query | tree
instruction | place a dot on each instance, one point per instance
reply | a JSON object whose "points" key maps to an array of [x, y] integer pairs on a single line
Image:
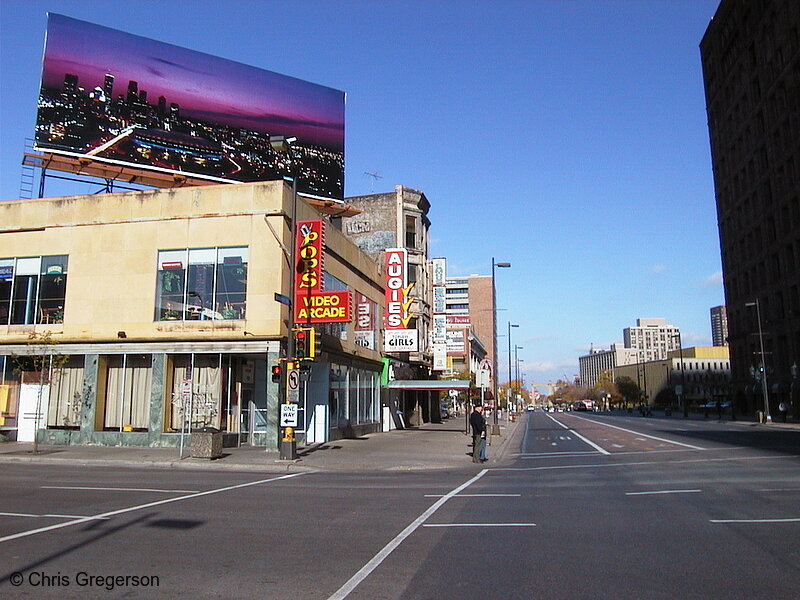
{"points": [[603, 388], [41, 358], [516, 387], [628, 389], [568, 393]]}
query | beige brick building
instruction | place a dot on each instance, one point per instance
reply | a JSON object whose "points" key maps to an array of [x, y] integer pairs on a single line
{"points": [[164, 297]]}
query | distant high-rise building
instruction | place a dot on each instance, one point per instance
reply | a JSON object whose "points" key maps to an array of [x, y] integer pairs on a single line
{"points": [[133, 91], [751, 69], [652, 338], [719, 326], [108, 86], [70, 82], [162, 106]]}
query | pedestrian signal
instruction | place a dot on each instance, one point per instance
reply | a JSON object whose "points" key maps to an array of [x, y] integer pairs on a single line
{"points": [[276, 373]]}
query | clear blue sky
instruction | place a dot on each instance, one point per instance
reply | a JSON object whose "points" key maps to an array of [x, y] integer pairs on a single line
{"points": [[565, 136]]}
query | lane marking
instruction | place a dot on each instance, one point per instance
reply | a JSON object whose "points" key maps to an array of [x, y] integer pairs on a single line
{"points": [[663, 492], [479, 525], [591, 443], [652, 437], [754, 520], [10, 514], [376, 560], [114, 489], [121, 511], [556, 454], [556, 421], [475, 496], [648, 462]]}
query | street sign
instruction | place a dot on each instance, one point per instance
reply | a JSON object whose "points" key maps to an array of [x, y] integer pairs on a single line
{"points": [[293, 378], [288, 415], [283, 299], [482, 378]]}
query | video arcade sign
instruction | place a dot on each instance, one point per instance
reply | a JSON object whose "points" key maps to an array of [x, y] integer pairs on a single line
{"points": [[397, 336], [311, 303]]}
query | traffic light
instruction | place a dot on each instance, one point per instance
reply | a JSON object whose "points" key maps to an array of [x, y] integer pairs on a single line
{"points": [[276, 373], [300, 343], [306, 346], [316, 344]]}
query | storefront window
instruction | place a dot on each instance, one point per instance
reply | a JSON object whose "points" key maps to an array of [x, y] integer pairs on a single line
{"points": [[127, 399], [197, 384], [66, 393], [353, 397], [338, 397]]}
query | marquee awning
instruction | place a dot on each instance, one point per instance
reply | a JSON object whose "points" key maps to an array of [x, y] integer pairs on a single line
{"points": [[428, 384]]}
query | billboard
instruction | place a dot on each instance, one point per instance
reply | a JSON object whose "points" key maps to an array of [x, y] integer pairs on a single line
{"points": [[131, 101]]}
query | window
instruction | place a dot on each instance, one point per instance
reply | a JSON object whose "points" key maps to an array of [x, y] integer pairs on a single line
{"points": [[32, 290], [411, 232], [127, 398], [337, 404], [201, 284], [66, 392], [197, 384]]}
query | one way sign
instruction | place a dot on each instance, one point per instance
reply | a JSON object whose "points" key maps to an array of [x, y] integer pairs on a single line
{"points": [[288, 415]]}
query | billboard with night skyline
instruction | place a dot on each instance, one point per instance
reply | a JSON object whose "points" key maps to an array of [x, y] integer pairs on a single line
{"points": [[126, 99]]}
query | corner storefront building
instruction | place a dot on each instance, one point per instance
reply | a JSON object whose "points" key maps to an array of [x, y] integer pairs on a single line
{"points": [[164, 308]]}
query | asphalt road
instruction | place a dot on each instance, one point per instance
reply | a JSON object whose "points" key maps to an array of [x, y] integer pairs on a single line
{"points": [[581, 506]]}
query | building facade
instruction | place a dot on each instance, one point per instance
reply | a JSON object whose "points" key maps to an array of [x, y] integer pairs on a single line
{"points": [[597, 362], [399, 219], [652, 338], [469, 307], [751, 69], [164, 304], [698, 375]]}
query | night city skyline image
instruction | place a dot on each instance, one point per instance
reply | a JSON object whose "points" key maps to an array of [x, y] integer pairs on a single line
{"points": [[134, 100]]}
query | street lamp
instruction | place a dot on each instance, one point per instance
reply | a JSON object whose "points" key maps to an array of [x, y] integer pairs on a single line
{"points": [[683, 376], [767, 416], [501, 265], [279, 143], [510, 325], [516, 369]]}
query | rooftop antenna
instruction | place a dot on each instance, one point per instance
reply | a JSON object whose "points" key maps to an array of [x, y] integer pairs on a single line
{"points": [[374, 176]]}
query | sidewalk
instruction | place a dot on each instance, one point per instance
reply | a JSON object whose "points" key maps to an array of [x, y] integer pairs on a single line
{"points": [[712, 417], [431, 446]]}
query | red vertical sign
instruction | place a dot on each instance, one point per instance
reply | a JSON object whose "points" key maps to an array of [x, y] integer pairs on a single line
{"points": [[310, 253], [398, 304]]}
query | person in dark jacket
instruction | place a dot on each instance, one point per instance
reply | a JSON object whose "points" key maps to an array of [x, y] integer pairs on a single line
{"points": [[478, 425]]}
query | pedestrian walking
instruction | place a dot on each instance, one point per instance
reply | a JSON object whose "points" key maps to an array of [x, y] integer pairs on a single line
{"points": [[478, 425], [783, 409]]}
